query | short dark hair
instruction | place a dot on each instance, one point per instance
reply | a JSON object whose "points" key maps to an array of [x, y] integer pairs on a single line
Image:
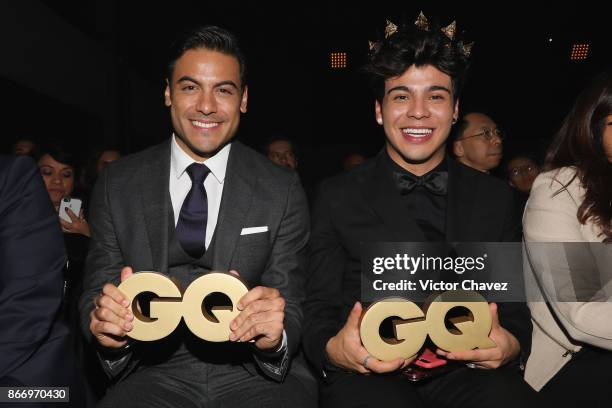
{"points": [[462, 124], [522, 155], [279, 138], [207, 37], [60, 152], [413, 46]]}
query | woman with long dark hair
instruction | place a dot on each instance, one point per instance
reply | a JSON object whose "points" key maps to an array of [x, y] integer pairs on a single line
{"points": [[569, 209]]}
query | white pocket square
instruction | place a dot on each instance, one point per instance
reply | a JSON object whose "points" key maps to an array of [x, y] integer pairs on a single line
{"points": [[253, 230]]}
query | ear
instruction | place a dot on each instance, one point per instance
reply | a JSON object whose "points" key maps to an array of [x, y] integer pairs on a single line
{"points": [[458, 149], [167, 99], [378, 112], [245, 99], [456, 111]]}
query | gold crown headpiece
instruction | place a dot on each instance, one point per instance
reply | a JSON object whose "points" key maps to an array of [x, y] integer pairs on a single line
{"points": [[422, 24]]}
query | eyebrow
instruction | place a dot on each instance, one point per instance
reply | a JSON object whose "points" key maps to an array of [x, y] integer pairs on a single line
{"points": [[217, 85], [52, 168], [430, 89]]}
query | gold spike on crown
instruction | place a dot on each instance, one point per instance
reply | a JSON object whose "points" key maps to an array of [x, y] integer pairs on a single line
{"points": [[467, 48], [390, 29], [421, 22], [450, 30]]}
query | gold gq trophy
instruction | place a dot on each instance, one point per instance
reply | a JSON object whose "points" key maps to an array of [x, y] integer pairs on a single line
{"points": [[167, 309]]}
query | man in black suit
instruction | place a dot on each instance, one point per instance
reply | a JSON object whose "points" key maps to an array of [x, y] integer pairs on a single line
{"points": [[196, 203], [410, 192], [34, 341]]}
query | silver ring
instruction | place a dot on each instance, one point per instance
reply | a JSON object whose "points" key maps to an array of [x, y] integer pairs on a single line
{"points": [[470, 365], [365, 361]]}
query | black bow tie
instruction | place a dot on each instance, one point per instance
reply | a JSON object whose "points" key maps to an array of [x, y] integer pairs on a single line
{"points": [[436, 182]]}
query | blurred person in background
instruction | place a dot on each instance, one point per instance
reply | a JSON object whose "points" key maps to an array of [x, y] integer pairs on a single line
{"points": [[24, 147], [478, 142], [351, 160], [59, 166], [282, 151], [522, 172], [99, 158]]}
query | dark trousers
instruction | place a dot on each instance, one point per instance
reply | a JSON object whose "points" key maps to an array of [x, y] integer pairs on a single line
{"points": [[216, 386], [183, 371], [463, 387], [583, 382]]}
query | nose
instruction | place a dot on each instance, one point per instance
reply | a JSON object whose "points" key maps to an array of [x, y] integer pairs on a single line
{"points": [[418, 108], [56, 179], [207, 103]]}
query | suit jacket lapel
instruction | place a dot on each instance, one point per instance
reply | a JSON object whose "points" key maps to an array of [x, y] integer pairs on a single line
{"points": [[383, 196], [155, 196], [235, 203], [463, 189]]}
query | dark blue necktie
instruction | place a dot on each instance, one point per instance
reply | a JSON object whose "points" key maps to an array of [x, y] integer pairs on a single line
{"points": [[191, 226]]}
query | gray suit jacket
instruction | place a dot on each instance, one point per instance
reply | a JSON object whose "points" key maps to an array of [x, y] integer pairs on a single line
{"points": [[129, 218]]}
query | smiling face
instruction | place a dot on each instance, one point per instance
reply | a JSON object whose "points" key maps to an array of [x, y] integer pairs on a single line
{"points": [[473, 149], [206, 98], [417, 113], [58, 178]]}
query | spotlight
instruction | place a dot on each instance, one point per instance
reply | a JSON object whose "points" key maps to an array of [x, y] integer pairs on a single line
{"points": [[579, 52], [337, 60]]}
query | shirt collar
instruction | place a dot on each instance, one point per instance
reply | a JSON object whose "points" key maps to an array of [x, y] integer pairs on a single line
{"points": [[442, 166], [179, 161]]}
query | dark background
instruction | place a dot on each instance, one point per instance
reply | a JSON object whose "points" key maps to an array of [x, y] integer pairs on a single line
{"points": [[91, 72]]}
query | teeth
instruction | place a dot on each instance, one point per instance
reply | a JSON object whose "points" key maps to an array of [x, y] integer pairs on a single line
{"points": [[417, 131], [204, 125]]}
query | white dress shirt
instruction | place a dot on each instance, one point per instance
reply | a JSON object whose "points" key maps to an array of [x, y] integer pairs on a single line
{"points": [[180, 183]]}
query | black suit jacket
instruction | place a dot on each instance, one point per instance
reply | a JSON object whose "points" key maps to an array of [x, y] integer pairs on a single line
{"points": [[130, 217], [34, 343], [364, 205]]}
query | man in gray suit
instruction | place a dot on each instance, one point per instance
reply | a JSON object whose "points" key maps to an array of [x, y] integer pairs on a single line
{"points": [[196, 203]]}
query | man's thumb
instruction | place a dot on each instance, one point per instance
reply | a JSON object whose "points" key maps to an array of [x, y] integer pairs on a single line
{"points": [[126, 272], [353, 320], [494, 315]]}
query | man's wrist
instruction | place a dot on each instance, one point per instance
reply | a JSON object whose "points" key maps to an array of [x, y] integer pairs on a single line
{"points": [[328, 360], [328, 348], [278, 348]]}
